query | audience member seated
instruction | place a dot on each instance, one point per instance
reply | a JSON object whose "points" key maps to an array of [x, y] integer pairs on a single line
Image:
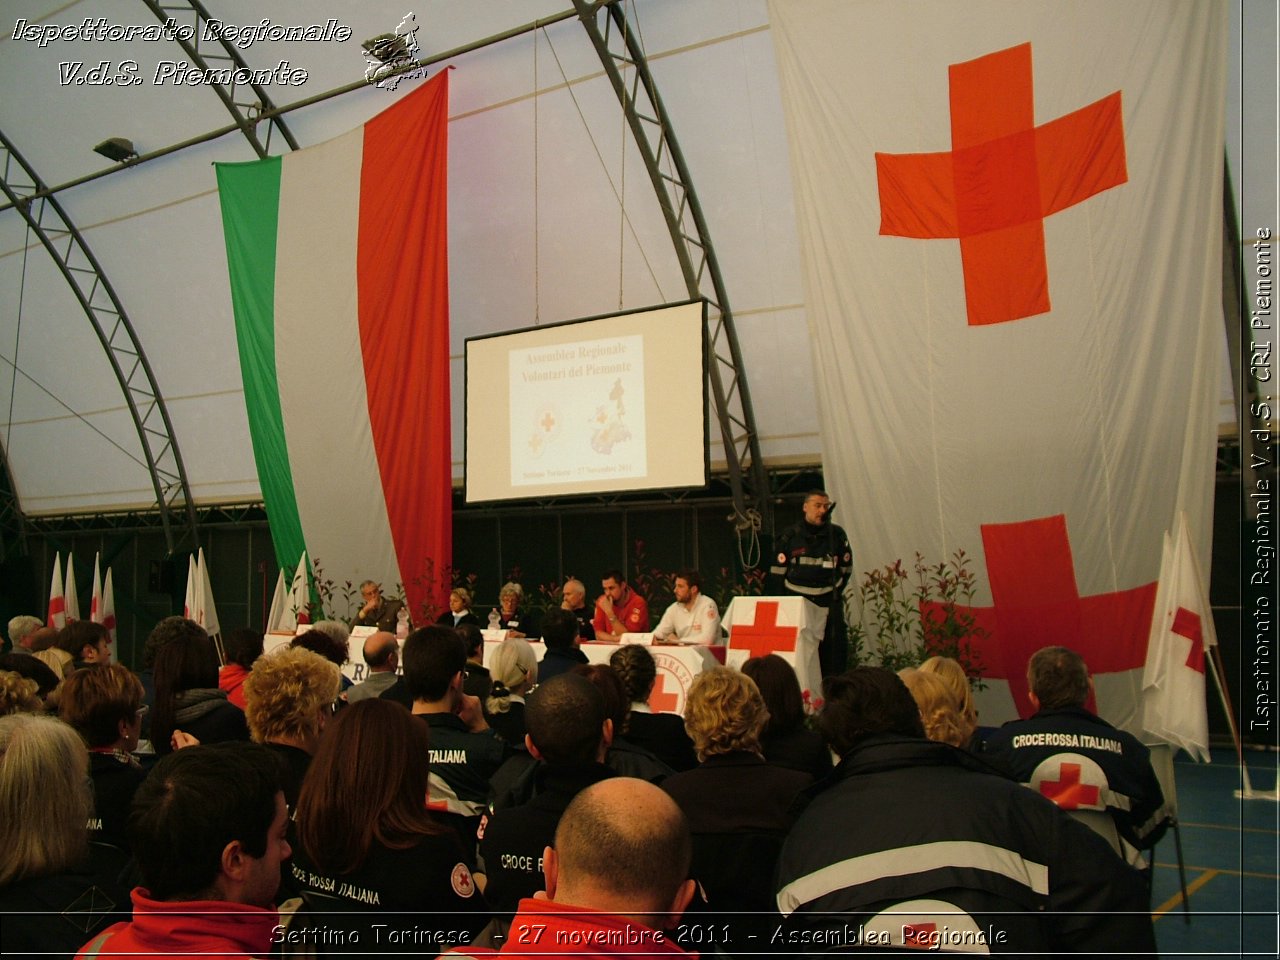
{"points": [[925, 821], [86, 641], [209, 834], [18, 694], [939, 712], [693, 617], [513, 672], [662, 734], [104, 705], [511, 616], [464, 752], [381, 654], [31, 667], [737, 805], [623, 757], [574, 599], [44, 647], [288, 701], [619, 609], [1074, 757], [243, 647], [20, 630], [55, 886], [569, 733], [787, 740], [367, 842], [187, 694], [563, 640], [477, 680], [459, 611], [611, 879], [170, 628], [329, 638], [949, 671], [376, 611]]}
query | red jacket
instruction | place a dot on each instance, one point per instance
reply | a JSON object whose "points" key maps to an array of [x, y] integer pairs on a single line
{"points": [[186, 929]]}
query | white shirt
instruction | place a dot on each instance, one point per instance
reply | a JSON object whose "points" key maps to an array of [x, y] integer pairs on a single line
{"points": [[699, 624]]}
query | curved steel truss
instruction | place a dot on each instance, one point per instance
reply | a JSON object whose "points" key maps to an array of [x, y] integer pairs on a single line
{"points": [[615, 43], [79, 267]]}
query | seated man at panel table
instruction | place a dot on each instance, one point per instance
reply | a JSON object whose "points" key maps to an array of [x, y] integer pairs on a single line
{"points": [[619, 609], [575, 601], [924, 844], [693, 618], [1074, 757], [376, 611]]}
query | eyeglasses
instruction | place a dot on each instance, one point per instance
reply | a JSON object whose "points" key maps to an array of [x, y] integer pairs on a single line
{"points": [[142, 711]]}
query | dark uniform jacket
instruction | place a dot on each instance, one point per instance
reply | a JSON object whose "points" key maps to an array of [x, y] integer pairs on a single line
{"points": [[1131, 793], [903, 819], [813, 562]]}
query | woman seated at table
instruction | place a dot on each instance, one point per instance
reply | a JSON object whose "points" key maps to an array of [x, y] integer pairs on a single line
{"points": [[459, 611], [511, 616]]}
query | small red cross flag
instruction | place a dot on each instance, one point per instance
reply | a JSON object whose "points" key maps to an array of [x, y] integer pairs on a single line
{"points": [[72, 600], [57, 602], [1173, 690]]}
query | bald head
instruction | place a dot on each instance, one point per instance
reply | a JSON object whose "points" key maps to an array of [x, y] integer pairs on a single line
{"points": [[641, 857], [381, 652]]}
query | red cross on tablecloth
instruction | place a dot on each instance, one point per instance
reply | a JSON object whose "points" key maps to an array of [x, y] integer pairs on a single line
{"points": [[1067, 791], [1187, 624], [764, 636], [1037, 604], [660, 701], [1001, 178]]}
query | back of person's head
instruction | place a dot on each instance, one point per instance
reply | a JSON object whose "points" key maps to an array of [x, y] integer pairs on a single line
{"points": [[565, 719], [31, 668], [605, 679], [559, 629], [724, 713], [513, 669], [243, 646], [192, 805], [21, 626], [472, 639], [367, 783], [166, 631], [78, 634], [939, 713], [431, 658], [187, 661], [285, 692], [641, 857], [324, 643], [18, 694], [380, 649], [96, 700], [45, 798], [780, 689], [637, 671], [864, 701], [949, 671], [1058, 677]]}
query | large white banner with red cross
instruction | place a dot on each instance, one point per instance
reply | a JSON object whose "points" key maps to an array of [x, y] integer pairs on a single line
{"points": [[1010, 218]]}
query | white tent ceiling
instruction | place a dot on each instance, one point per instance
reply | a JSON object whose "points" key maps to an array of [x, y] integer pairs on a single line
{"points": [[537, 231]]}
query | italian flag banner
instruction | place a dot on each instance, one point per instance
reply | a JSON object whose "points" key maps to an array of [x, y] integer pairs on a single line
{"points": [[339, 283]]}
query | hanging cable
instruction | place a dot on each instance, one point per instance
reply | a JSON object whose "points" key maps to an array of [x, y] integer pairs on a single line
{"points": [[622, 175], [17, 337]]}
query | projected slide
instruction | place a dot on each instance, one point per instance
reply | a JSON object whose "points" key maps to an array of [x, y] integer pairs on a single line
{"points": [[599, 405], [578, 411]]}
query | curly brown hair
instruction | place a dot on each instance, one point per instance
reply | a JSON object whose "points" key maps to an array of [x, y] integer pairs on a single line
{"points": [[724, 713]]}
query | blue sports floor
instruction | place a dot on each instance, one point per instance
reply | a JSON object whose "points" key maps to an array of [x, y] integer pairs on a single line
{"points": [[1231, 849]]}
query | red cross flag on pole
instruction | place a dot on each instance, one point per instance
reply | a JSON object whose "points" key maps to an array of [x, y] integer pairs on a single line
{"points": [[1173, 688], [57, 602], [1010, 225]]}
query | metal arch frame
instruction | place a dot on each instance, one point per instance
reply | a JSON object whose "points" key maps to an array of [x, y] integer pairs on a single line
{"points": [[653, 135], [13, 524], [246, 115], [120, 343]]}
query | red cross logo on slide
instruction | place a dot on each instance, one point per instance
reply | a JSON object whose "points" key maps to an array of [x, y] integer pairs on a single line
{"points": [[764, 636], [1068, 792], [659, 700], [1187, 624], [1037, 604], [1001, 178]]}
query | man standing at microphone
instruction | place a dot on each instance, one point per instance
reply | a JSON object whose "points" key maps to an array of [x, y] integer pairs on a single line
{"points": [[812, 560]]}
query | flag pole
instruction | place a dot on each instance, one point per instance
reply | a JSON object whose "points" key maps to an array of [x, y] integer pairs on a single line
{"points": [[1247, 793]]}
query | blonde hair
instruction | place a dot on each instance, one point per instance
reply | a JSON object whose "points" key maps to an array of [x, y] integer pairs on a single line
{"points": [[18, 694], [514, 665], [938, 710], [724, 712], [45, 798], [285, 690], [949, 671]]}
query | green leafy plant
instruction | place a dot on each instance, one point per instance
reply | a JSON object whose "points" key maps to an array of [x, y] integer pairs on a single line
{"points": [[899, 619]]}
